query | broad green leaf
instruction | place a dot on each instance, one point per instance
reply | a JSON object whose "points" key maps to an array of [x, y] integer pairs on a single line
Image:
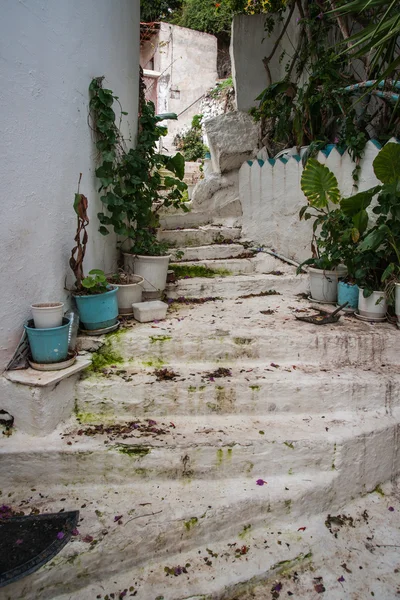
{"points": [[96, 272], [374, 239], [360, 221], [354, 204], [88, 282], [387, 163], [165, 116], [176, 164], [388, 271], [319, 184]]}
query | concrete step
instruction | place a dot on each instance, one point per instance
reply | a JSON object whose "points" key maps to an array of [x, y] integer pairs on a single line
{"points": [[195, 447], [229, 266], [183, 220], [235, 286], [202, 236], [210, 252], [169, 524], [362, 448], [230, 331], [250, 390]]}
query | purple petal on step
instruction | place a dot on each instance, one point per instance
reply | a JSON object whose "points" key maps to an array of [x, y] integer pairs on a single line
{"points": [[341, 579], [60, 535], [277, 587], [260, 482], [391, 508], [75, 532], [18, 542]]}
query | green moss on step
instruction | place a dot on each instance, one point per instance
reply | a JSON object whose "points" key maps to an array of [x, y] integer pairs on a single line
{"points": [[378, 490], [255, 388], [192, 388], [220, 456], [159, 338], [244, 532], [133, 451], [289, 445], [191, 523], [242, 341], [190, 271], [157, 363], [105, 357], [288, 505]]}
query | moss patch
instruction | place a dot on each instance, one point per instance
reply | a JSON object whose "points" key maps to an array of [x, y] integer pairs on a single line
{"points": [[105, 357], [132, 451], [182, 271], [159, 338], [191, 523]]}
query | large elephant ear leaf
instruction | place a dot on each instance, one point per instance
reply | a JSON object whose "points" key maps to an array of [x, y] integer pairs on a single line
{"points": [[319, 184], [387, 163]]}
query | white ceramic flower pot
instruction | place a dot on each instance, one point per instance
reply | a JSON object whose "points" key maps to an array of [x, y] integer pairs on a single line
{"points": [[129, 293], [153, 269], [397, 303], [47, 315], [323, 284], [374, 307]]}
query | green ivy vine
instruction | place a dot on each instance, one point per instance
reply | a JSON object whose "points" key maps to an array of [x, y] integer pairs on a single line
{"points": [[134, 182]]}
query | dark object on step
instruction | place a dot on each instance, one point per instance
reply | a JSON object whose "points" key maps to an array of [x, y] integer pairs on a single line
{"points": [[323, 317], [27, 543], [171, 277]]}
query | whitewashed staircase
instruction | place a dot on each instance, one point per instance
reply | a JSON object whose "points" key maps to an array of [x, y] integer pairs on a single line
{"points": [[310, 413]]}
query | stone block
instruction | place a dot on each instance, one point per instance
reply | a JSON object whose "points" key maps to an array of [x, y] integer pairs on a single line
{"points": [[149, 311], [232, 139]]}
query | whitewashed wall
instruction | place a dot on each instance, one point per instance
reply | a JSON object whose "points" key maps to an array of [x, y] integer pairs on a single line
{"points": [[49, 52], [271, 197]]}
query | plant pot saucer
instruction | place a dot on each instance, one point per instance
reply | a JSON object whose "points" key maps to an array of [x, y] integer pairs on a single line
{"points": [[311, 299], [369, 319], [100, 331], [58, 366], [348, 309]]}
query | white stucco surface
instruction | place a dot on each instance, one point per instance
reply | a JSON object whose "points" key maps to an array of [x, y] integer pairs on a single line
{"points": [[49, 52], [187, 61], [250, 43]]}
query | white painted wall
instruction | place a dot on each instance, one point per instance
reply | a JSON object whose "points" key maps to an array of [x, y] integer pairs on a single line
{"points": [[49, 52], [187, 61], [271, 198], [250, 43]]}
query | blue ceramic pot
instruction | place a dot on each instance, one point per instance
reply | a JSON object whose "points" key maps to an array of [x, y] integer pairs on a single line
{"points": [[98, 311], [48, 345], [348, 293]]}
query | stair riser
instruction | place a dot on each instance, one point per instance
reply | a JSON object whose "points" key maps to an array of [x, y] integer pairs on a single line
{"points": [[110, 399], [221, 287], [326, 349], [235, 267], [212, 252], [210, 462], [158, 537], [198, 237], [186, 220]]}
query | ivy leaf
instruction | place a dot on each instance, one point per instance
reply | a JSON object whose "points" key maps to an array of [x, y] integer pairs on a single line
{"points": [[374, 239], [103, 230], [176, 164], [106, 97]]}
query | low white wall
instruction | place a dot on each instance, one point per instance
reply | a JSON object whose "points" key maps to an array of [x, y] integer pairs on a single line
{"points": [[50, 51], [271, 198]]}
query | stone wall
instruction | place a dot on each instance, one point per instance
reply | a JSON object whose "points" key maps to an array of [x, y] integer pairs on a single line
{"points": [[271, 197], [50, 52]]}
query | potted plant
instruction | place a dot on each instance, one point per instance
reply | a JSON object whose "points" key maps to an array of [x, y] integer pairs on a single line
{"points": [[377, 257], [130, 288], [47, 314], [331, 240], [95, 298], [48, 345], [134, 184]]}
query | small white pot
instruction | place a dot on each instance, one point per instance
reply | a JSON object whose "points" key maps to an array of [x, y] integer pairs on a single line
{"points": [[129, 293], [373, 307], [47, 315], [397, 304], [153, 269], [323, 284]]}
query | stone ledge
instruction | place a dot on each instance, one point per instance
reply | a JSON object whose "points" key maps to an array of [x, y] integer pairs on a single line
{"points": [[35, 378]]}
